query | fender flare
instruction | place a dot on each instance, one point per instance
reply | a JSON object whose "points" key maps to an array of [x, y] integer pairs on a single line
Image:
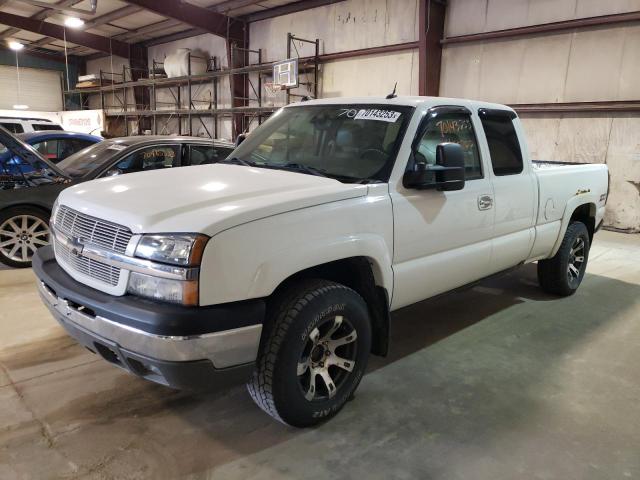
{"points": [[572, 205], [276, 269]]}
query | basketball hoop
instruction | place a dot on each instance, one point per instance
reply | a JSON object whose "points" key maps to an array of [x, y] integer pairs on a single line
{"points": [[272, 88]]}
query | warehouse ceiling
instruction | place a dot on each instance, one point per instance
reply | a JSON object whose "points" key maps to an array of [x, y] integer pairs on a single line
{"points": [[117, 23]]}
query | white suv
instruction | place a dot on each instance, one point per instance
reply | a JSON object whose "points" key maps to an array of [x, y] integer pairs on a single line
{"points": [[26, 125]]}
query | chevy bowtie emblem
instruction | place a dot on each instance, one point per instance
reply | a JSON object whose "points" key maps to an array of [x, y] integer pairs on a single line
{"points": [[75, 246]]}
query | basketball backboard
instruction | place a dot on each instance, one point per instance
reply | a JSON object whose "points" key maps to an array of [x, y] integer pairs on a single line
{"points": [[285, 73]]}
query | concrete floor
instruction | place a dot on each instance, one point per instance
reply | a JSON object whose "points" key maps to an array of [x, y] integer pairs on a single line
{"points": [[498, 382]]}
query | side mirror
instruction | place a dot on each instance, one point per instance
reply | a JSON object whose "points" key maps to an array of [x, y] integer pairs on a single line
{"points": [[446, 175], [113, 172], [241, 138]]}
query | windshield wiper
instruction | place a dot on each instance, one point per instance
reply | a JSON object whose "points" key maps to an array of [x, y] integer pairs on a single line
{"points": [[304, 168], [237, 161]]}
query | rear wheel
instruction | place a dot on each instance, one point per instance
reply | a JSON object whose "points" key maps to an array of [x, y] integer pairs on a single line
{"points": [[314, 354], [563, 274], [22, 231]]}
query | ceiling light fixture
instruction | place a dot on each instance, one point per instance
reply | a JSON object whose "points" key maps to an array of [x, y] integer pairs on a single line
{"points": [[18, 46], [73, 22]]}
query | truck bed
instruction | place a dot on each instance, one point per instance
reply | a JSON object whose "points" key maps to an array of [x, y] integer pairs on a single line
{"points": [[560, 185], [540, 164]]}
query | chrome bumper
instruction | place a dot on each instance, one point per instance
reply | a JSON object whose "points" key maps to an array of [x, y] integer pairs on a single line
{"points": [[224, 349]]}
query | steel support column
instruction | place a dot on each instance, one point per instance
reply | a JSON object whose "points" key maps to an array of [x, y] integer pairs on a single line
{"points": [[431, 31]]}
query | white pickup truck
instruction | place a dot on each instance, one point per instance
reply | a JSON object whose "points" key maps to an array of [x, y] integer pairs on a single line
{"points": [[280, 265]]}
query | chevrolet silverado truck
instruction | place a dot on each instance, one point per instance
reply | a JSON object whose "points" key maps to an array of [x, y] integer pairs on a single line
{"points": [[280, 265]]}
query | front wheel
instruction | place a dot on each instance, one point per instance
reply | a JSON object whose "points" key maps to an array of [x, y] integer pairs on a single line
{"points": [[22, 231], [314, 355], [562, 274]]}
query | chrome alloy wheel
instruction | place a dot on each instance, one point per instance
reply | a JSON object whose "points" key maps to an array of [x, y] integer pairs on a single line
{"points": [[327, 359], [21, 236], [576, 261]]}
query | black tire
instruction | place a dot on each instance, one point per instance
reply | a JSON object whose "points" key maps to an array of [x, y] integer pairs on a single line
{"points": [[30, 240], [300, 314], [555, 274]]}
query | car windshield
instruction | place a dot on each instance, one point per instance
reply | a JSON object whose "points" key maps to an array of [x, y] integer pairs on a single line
{"points": [[88, 159], [351, 143]]}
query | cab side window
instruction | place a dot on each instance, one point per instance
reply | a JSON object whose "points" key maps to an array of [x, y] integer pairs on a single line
{"points": [[504, 146], [451, 127], [206, 154], [150, 158]]}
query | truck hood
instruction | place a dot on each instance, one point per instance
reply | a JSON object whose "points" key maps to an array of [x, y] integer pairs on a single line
{"points": [[202, 199]]}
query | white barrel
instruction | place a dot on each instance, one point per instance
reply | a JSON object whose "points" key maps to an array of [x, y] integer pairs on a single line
{"points": [[177, 64]]}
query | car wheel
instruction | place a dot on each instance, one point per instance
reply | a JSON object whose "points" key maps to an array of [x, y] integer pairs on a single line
{"points": [[562, 274], [22, 231], [313, 354]]}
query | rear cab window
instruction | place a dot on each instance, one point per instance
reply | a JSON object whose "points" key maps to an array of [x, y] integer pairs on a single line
{"points": [[503, 142]]}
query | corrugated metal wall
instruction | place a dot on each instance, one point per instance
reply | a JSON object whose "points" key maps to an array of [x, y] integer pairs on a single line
{"points": [[584, 65], [351, 25]]}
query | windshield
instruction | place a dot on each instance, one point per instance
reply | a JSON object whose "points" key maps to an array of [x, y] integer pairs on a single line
{"points": [[352, 143], [21, 166], [86, 160]]}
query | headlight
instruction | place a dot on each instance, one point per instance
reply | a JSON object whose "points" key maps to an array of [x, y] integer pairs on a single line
{"points": [[184, 292], [54, 212], [176, 249], [181, 249]]}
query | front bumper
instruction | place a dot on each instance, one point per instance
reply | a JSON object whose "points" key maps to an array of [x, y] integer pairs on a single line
{"points": [[182, 347]]}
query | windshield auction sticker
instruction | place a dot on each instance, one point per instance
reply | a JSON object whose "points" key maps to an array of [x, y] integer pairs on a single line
{"points": [[117, 147], [376, 114]]}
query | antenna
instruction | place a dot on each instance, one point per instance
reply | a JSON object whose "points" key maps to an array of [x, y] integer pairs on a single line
{"points": [[392, 94]]}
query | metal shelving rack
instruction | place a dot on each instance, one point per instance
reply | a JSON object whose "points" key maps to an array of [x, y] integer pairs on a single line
{"points": [[161, 112]]}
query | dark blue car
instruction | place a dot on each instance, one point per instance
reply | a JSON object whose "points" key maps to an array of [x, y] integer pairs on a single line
{"points": [[54, 145]]}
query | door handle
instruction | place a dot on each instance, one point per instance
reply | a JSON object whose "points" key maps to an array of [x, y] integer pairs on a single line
{"points": [[485, 202]]}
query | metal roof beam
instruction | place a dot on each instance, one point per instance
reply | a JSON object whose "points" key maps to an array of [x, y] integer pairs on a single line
{"points": [[41, 15], [96, 42], [197, 17], [96, 22]]}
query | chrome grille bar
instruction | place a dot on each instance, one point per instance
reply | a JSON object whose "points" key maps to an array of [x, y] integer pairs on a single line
{"points": [[92, 230]]}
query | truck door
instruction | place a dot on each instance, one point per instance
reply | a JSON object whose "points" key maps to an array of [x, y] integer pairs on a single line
{"points": [[515, 190], [442, 239]]}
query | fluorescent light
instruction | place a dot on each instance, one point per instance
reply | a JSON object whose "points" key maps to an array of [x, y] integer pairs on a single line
{"points": [[74, 22], [20, 107], [15, 45]]}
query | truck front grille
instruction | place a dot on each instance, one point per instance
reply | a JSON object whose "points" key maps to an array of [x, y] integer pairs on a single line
{"points": [[88, 266], [90, 231]]}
